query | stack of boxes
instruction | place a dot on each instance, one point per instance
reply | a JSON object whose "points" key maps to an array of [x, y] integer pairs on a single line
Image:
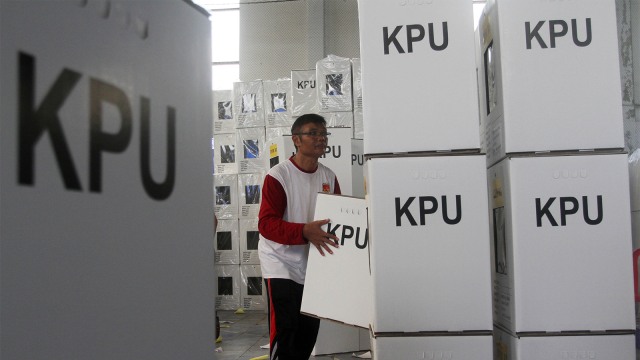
{"points": [[252, 128], [239, 167], [284, 100], [550, 108], [252, 133], [425, 182], [332, 90]]}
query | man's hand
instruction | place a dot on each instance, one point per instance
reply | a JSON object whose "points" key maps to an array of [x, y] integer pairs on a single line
{"points": [[319, 238]]}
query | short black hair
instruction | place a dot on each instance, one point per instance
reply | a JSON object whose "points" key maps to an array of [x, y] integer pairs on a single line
{"points": [[302, 120]]}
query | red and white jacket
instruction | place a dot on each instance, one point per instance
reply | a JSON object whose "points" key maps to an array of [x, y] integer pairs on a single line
{"points": [[288, 202]]}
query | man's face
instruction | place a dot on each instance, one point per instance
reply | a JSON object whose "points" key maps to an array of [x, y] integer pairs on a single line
{"points": [[312, 140]]}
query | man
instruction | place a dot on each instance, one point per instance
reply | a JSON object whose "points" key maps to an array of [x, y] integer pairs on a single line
{"points": [[287, 231]]}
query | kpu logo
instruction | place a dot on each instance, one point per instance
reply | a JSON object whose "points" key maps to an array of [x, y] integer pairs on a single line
{"points": [[306, 84], [335, 151], [36, 120], [428, 205], [350, 233], [567, 205], [414, 33], [557, 29], [357, 159]]}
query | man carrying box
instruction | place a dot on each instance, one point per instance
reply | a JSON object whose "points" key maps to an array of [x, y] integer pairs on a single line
{"points": [[287, 231]]}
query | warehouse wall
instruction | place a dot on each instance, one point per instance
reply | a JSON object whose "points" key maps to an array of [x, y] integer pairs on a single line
{"points": [[341, 31], [278, 37], [628, 12]]}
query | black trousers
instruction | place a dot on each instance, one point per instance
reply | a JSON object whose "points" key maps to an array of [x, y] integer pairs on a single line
{"points": [[292, 335]]}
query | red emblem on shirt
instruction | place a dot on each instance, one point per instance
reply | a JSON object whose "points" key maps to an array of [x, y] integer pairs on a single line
{"points": [[326, 188]]}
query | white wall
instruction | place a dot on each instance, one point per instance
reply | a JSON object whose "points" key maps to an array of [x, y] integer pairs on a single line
{"points": [[278, 37]]}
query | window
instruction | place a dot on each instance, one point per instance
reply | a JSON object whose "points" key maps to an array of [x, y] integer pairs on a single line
{"points": [[478, 6], [225, 41]]}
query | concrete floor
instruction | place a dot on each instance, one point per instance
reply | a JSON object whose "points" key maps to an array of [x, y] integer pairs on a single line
{"points": [[243, 336]]}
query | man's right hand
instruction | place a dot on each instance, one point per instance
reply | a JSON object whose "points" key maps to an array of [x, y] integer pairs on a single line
{"points": [[319, 238]]}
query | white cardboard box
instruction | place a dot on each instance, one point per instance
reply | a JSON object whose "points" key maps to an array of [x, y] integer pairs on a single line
{"points": [[277, 103], [248, 100], [357, 168], [225, 196], [250, 150], [249, 195], [429, 234], [478, 347], [348, 267], [561, 243], [303, 92], [97, 201], [420, 95], [339, 118], [253, 296], [223, 120], [227, 287], [227, 243], [634, 180], [225, 157], [338, 157], [535, 96], [509, 347], [358, 124], [333, 74], [249, 237]]}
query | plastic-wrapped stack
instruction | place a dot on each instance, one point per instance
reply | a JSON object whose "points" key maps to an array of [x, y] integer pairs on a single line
{"points": [[247, 144], [558, 179], [239, 167], [426, 182]]}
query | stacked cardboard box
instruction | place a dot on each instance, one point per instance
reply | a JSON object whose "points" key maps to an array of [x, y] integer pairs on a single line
{"points": [[425, 181], [558, 180]]}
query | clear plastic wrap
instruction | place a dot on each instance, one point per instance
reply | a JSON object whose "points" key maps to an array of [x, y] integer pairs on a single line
{"points": [[249, 237], [249, 191], [252, 288], [223, 121], [333, 75], [304, 96], [225, 193], [224, 154], [227, 287], [249, 142], [356, 73], [276, 146], [277, 102], [248, 101], [227, 243], [339, 119]]}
